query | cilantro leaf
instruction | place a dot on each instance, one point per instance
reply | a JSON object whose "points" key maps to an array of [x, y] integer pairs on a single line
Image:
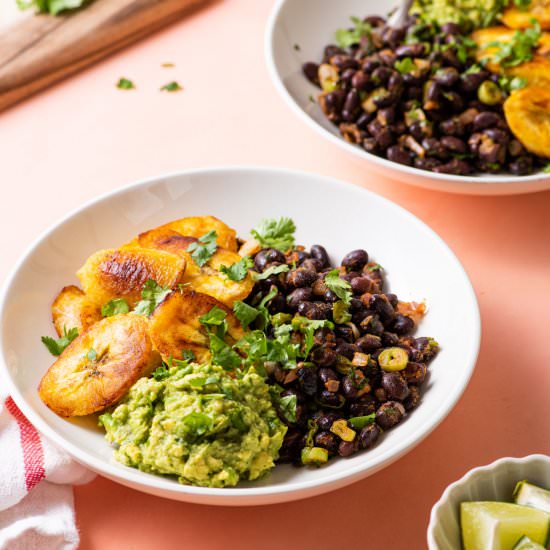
{"points": [[272, 233], [198, 423], [216, 316], [349, 37], [405, 66], [172, 87], [204, 249], [287, 405], [222, 354], [161, 373], [125, 84], [54, 7], [512, 84], [339, 286], [308, 327], [115, 307], [245, 313], [57, 346], [519, 49], [188, 355], [239, 270], [273, 270], [254, 345], [152, 295]]}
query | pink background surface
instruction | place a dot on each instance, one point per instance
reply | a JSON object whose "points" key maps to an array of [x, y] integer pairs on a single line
{"points": [[85, 137]]}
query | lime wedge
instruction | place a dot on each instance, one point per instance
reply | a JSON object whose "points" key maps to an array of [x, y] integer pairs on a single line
{"points": [[499, 525], [528, 494], [525, 543]]}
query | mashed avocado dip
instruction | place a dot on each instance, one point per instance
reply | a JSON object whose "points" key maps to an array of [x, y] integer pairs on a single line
{"points": [[199, 423], [470, 13]]}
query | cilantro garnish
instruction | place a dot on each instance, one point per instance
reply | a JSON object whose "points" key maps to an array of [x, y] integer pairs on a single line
{"points": [[287, 405], [522, 4], [405, 66], [239, 270], [512, 84], [339, 286], [53, 7], [308, 327], [115, 307], [272, 233], [172, 87], [152, 295], [520, 48], [197, 422], [348, 37], [188, 355], [254, 345], [57, 346], [125, 84], [204, 249], [245, 313], [375, 267], [222, 354], [216, 316], [273, 270]]}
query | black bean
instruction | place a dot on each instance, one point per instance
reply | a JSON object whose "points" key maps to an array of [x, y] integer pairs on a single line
{"points": [[360, 81], [380, 304], [343, 62], [392, 36], [299, 295], [330, 51], [327, 440], [324, 356], [325, 419], [371, 63], [452, 127], [346, 349], [352, 104], [331, 399], [344, 332], [515, 148], [521, 166], [455, 166], [368, 343], [426, 163], [364, 119], [304, 307], [360, 285], [446, 76], [370, 145], [392, 299], [312, 264], [397, 153], [395, 83], [268, 256], [413, 398], [318, 311], [355, 260], [453, 144], [347, 448], [388, 57], [470, 82], [349, 388], [451, 28], [307, 380], [363, 406], [325, 374], [487, 119], [454, 100], [301, 277], [386, 116], [434, 147], [402, 324], [395, 385], [319, 253], [302, 256], [389, 414], [380, 76], [368, 436], [310, 70], [411, 50], [389, 339], [415, 373]]}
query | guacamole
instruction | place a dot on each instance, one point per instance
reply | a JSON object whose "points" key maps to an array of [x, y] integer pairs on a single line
{"points": [[469, 13], [199, 423]]}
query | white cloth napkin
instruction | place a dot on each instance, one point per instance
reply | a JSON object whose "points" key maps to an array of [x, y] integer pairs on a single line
{"points": [[36, 497]]}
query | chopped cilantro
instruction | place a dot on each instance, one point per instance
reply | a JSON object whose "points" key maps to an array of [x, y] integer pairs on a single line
{"points": [[349, 37], [172, 87], [198, 423], [287, 405], [273, 270], [520, 48], [216, 316], [522, 4], [375, 267], [152, 295], [125, 84], [254, 345], [222, 354], [405, 66], [57, 346], [245, 313], [339, 286], [272, 233], [188, 355], [204, 249], [512, 84], [473, 69], [53, 7], [161, 372], [239, 270], [115, 307]]}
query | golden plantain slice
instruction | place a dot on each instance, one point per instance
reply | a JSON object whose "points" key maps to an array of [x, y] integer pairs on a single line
{"points": [[528, 115], [207, 279], [198, 226], [72, 309], [112, 273], [99, 366], [175, 326], [536, 71], [517, 18]]}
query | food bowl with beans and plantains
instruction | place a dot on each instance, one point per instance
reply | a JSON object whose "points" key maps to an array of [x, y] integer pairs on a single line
{"points": [[457, 98]]}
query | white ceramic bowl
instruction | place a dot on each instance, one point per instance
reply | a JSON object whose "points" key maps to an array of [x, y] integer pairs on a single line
{"points": [[495, 481], [310, 24], [342, 217]]}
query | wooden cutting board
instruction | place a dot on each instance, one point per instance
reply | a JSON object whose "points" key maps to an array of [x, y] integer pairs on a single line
{"points": [[42, 49]]}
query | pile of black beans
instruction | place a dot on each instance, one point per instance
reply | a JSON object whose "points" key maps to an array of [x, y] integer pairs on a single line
{"points": [[446, 115], [342, 377]]}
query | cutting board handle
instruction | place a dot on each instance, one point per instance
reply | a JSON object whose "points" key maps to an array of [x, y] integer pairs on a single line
{"points": [[42, 49]]}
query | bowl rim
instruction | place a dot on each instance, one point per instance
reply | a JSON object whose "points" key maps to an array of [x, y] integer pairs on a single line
{"points": [[270, 58], [465, 479], [227, 496]]}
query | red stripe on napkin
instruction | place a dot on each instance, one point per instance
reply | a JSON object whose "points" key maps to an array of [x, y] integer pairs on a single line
{"points": [[33, 454]]}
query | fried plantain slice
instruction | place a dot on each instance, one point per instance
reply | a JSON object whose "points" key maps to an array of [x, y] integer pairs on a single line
{"points": [[197, 226], [72, 309], [207, 279], [527, 112], [121, 273], [175, 325], [536, 71], [517, 18], [99, 366]]}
